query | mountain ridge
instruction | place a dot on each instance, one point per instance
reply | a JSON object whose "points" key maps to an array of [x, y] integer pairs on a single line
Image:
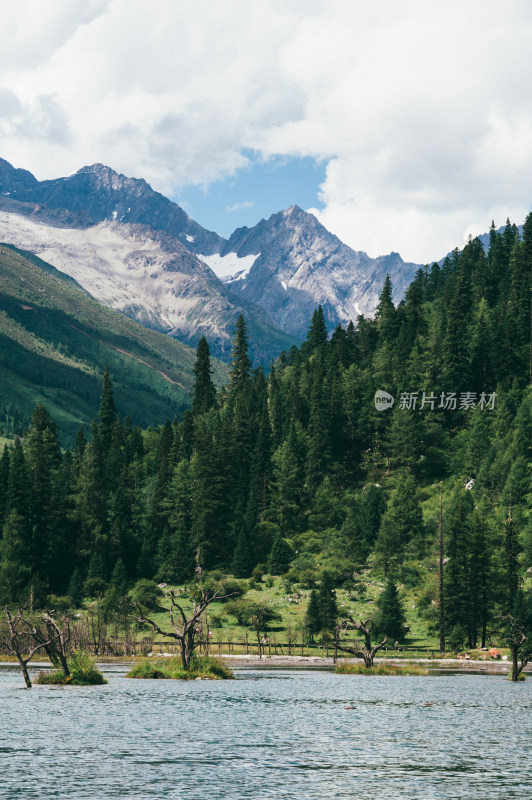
{"points": [[147, 273], [276, 272]]}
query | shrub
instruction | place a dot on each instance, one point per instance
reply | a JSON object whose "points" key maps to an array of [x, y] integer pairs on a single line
{"points": [[54, 677], [83, 673], [216, 620], [84, 670], [210, 665], [380, 669], [207, 667], [145, 669], [258, 572], [147, 594], [60, 603]]}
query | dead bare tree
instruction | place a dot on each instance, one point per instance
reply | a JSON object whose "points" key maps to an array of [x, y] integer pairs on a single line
{"points": [[369, 651], [18, 629], [54, 640], [515, 635], [184, 629]]}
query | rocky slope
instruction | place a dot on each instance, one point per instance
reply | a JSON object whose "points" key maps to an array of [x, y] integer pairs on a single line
{"points": [[140, 253], [97, 193], [290, 263], [149, 274]]}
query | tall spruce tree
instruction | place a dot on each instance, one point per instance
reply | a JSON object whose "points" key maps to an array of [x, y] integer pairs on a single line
{"points": [[204, 392], [313, 621], [401, 530], [241, 363], [107, 411], [327, 603], [317, 332], [243, 561], [280, 556], [457, 574], [390, 618], [386, 314]]}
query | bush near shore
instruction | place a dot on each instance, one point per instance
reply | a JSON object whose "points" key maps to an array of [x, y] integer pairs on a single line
{"points": [[83, 672], [205, 667], [380, 669]]}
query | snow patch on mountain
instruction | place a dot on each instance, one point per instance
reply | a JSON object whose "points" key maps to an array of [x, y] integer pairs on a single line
{"points": [[131, 268], [230, 267]]}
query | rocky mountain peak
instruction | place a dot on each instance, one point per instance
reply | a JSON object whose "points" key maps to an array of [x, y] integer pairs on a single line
{"points": [[107, 179], [12, 180]]}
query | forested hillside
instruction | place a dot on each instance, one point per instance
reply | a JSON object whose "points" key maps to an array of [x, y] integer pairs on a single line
{"points": [[299, 473], [55, 341]]}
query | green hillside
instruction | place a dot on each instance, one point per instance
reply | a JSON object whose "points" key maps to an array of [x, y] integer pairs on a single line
{"points": [[55, 341]]}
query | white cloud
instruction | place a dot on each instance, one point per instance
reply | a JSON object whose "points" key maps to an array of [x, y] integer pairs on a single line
{"points": [[239, 206], [424, 110]]}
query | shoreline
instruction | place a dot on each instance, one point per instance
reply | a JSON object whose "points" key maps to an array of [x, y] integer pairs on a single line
{"points": [[250, 661]]}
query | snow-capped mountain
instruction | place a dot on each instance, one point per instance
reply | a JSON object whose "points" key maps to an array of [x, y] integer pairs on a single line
{"points": [[148, 274], [97, 193], [289, 263], [138, 252]]}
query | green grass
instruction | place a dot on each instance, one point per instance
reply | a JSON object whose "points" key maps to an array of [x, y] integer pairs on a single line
{"points": [[83, 669], [380, 669], [204, 667], [292, 608]]}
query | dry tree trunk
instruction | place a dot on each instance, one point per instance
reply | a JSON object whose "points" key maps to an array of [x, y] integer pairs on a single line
{"points": [[369, 651], [14, 644], [186, 629]]}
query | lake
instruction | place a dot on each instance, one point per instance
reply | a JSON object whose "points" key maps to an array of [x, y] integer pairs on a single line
{"points": [[269, 734]]}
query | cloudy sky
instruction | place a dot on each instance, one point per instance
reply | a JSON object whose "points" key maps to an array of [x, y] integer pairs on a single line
{"points": [[405, 125]]}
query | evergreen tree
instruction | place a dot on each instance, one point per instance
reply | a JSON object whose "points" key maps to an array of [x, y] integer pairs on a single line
{"points": [[107, 411], [456, 574], [115, 602], [280, 556], [243, 560], [286, 488], [91, 499], [402, 528], [176, 555], [4, 480], [325, 511], [390, 618], [482, 354], [18, 484], [319, 450], [511, 551], [241, 363], [386, 314], [328, 606], [212, 501], [75, 588], [317, 333], [42, 456], [480, 575], [204, 393], [96, 582], [313, 622], [456, 360], [15, 555]]}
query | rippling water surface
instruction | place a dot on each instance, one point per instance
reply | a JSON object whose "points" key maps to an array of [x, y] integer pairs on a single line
{"points": [[282, 734]]}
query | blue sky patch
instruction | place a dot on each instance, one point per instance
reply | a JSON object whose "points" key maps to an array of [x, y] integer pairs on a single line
{"points": [[253, 193]]}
